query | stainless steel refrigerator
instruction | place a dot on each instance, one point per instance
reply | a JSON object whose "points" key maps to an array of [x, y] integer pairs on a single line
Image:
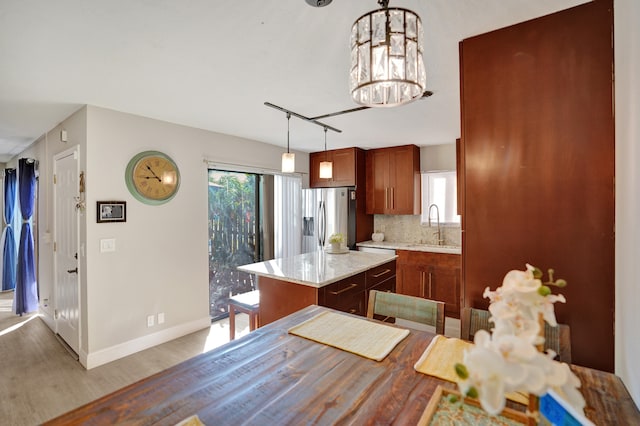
{"points": [[327, 211]]}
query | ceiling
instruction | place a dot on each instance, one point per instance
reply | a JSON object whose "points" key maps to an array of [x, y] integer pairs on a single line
{"points": [[212, 65]]}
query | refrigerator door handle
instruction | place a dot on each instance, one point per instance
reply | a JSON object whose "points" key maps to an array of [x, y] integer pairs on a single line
{"points": [[322, 224]]}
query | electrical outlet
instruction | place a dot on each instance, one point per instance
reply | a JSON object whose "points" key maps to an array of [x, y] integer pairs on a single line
{"points": [[161, 318], [150, 321]]}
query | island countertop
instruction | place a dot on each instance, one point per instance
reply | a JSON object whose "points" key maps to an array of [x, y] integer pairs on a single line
{"points": [[317, 269]]}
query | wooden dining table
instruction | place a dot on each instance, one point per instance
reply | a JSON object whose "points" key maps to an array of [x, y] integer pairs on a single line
{"points": [[271, 377]]}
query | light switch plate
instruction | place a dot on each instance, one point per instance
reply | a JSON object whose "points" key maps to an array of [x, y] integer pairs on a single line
{"points": [[150, 321], [107, 245]]}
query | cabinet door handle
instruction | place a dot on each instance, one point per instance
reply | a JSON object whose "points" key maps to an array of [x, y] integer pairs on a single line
{"points": [[352, 285], [421, 284], [393, 198], [430, 280], [386, 198], [386, 271]]}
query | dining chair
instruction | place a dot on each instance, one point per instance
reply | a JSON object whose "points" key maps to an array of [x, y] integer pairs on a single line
{"points": [[556, 338], [410, 308]]}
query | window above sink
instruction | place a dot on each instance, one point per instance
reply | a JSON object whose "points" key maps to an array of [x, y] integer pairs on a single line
{"points": [[439, 188]]}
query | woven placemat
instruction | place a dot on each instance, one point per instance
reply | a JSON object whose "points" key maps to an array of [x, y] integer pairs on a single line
{"points": [[441, 356], [191, 421], [359, 336]]}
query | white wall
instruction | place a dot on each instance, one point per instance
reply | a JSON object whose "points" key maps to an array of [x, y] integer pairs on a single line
{"points": [[161, 260], [438, 157], [627, 110]]}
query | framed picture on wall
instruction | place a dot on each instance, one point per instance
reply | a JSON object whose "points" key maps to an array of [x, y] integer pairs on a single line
{"points": [[112, 211]]}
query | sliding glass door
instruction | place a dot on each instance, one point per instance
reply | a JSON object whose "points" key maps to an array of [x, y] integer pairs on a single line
{"points": [[234, 235]]}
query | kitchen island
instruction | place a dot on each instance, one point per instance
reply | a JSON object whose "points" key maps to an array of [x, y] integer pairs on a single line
{"points": [[340, 281]]}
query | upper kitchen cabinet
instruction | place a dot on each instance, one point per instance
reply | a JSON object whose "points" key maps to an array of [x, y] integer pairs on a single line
{"points": [[348, 163], [393, 180]]}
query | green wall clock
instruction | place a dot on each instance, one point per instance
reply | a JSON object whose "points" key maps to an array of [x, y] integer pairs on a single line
{"points": [[152, 177]]}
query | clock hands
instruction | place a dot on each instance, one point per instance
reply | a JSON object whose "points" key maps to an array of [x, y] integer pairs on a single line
{"points": [[153, 173]]}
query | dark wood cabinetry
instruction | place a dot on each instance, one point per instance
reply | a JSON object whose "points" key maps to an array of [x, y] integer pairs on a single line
{"points": [[348, 170], [279, 298], [381, 278], [433, 276], [393, 180], [352, 294], [345, 295], [346, 163], [538, 152]]}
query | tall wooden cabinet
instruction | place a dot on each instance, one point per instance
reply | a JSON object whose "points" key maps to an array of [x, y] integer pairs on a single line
{"points": [[538, 161], [393, 180], [433, 276]]}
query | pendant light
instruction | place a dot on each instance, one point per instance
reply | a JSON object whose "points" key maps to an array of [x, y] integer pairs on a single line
{"points": [[326, 167], [387, 68], [288, 158]]}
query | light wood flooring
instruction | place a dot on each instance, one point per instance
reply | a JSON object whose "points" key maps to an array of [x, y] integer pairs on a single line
{"points": [[39, 380]]}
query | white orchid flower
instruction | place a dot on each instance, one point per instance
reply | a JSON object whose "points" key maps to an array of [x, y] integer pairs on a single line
{"points": [[507, 360], [569, 390], [486, 373]]}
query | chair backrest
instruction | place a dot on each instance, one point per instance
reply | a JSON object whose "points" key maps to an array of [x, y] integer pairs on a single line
{"points": [[472, 320], [410, 308], [557, 338]]}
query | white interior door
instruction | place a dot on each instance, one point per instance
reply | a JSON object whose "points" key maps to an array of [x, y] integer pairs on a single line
{"points": [[67, 302]]}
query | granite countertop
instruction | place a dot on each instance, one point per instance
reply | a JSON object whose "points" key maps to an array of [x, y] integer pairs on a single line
{"points": [[317, 269], [411, 246]]}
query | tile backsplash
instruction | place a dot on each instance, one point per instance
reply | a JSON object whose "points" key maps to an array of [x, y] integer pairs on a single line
{"points": [[408, 229]]}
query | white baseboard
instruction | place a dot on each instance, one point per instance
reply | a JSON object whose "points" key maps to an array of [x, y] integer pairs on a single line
{"points": [[48, 320], [103, 356]]}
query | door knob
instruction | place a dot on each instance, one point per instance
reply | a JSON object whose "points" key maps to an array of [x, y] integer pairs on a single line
{"points": [[72, 271]]}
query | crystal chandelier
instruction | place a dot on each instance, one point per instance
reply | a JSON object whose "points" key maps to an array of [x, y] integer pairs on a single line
{"points": [[387, 68], [288, 158]]}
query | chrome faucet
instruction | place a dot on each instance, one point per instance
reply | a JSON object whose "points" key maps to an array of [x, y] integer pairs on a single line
{"points": [[439, 232]]}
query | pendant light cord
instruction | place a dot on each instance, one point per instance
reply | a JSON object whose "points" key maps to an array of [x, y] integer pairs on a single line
{"points": [[288, 119], [325, 144]]}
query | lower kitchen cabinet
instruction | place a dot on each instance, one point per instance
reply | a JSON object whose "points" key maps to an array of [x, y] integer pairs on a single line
{"points": [[346, 295], [279, 298], [433, 276], [352, 294]]}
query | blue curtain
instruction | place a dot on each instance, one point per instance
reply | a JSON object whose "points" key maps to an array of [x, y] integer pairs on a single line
{"points": [[8, 238], [26, 295]]}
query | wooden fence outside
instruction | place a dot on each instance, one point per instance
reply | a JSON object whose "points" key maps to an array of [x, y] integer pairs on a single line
{"points": [[231, 244]]}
